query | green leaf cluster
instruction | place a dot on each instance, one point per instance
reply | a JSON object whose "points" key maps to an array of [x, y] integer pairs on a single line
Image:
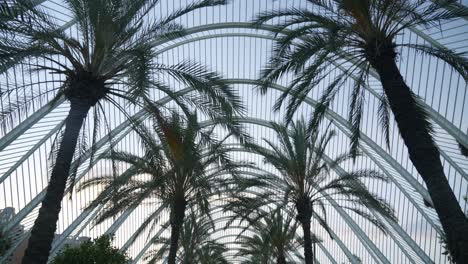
{"points": [[5, 243], [99, 251]]}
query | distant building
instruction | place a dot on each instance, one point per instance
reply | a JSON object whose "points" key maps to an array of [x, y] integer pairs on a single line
{"points": [[6, 215], [18, 232]]}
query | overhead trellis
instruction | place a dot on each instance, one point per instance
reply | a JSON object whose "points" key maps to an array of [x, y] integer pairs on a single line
{"points": [[223, 38]]}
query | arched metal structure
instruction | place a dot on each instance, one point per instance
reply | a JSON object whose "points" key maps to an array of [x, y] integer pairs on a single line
{"points": [[30, 139]]}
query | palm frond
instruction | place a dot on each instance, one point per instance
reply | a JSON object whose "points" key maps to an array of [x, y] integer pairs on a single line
{"points": [[304, 173], [457, 61]]}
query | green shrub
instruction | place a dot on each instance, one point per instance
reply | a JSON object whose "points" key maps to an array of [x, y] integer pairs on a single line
{"points": [[99, 251], [5, 243]]}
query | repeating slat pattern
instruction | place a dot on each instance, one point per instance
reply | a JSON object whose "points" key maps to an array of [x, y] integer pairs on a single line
{"points": [[221, 38]]}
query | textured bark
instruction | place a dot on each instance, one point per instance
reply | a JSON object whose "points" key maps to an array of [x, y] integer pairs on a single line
{"points": [[424, 154], [304, 214], [177, 220], [308, 254], [45, 225], [280, 259]]}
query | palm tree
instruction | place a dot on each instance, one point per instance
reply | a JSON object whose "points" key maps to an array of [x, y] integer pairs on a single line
{"points": [[364, 32], [274, 237], [196, 243], [256, 248], [114, 45], [184, 163], [212, 253], [12, 15], [305, 184]]}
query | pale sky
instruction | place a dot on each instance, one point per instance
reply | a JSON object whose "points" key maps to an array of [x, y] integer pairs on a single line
{"points": [[241, 57]]}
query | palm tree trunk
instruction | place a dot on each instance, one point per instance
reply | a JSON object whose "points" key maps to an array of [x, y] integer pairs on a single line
{"points": [[424, 154], [308, 254], [177, 220], [280, 259], [42, 234]]}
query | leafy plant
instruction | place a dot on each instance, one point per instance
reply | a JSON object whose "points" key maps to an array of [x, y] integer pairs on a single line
{"points": [[99, 251], [360, 36], [111, 58], [274, 237], [196, 244], [5, 242], [184, 163], [305, 183]]}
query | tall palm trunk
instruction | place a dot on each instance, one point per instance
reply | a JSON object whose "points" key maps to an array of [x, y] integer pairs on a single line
{"points": [[308, 254], [424, 154], [177, 220], [280, 259], [304, 214], [45, 225]]}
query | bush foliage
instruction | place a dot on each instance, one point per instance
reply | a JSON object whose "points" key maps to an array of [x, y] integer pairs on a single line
{"points": [[5, 243], [99, 251]]}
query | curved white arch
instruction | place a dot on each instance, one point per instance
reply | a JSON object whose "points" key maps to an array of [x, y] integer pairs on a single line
{"points": [[141, 115]]}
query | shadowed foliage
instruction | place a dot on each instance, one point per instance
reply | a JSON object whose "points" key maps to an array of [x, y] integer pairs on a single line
{"points": [[273, 240], [305, 183], [5, 242], [12, 15], [181, 168], [111, 58], [98, 251], [196, 244], [312, 41]]}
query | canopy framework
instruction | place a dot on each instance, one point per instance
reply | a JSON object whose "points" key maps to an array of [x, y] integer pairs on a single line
{"points": [[221, 38]]}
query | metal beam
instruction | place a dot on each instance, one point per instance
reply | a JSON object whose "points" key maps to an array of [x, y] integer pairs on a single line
{"points": [[388, 160], [132, 238], [235, 81], [415, 184], [127, 244], [350, 256], [344, 124], [435, 114], [82, 220], [39, 197], [391, 225], [344, 248], [124, 125], [145, 248], [439, 119], [2, 140], [288, 255], [31, 151], [455, 6], [21, 128], [373, 250], [30, 121], [117, 223]]}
